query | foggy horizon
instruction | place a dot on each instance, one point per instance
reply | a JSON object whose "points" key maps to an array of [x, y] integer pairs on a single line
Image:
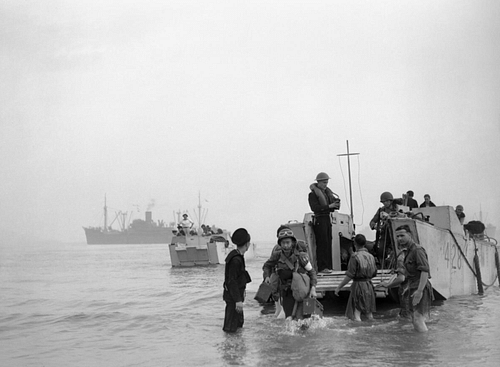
{"points": [[153, 104]]}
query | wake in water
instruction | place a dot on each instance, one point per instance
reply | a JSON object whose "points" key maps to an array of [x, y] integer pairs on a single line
{"points": [[341, 325]]}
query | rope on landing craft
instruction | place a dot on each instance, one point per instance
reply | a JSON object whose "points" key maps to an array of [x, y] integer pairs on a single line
{"points": [[497, 263], [462, 253], [486, 286], [476, 260], [477, 275]]}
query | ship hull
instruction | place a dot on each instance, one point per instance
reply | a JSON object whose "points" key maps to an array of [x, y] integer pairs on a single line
{"points": [[451, 253], [100, 237]]}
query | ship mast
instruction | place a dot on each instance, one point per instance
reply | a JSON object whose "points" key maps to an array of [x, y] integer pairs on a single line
{"points": [[199, 212], [105, 214], [349, 170]]}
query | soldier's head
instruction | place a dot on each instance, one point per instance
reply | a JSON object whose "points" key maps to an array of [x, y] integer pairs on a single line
{"points": [[241, 238], [322, 179], [386, 198], [282, 227], [286, 239], [404, 235], [360, 241]]}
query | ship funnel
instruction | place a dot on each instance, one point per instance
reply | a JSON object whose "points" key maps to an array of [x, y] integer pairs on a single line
{"points": [[149, 217]]}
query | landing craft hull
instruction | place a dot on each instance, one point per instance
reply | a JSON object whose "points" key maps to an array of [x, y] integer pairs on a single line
{"points": [[203, 250], [452, 263], [450, 251]]}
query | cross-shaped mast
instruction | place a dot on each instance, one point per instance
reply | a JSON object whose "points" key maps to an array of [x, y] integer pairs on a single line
{"points": [[349, 170]]}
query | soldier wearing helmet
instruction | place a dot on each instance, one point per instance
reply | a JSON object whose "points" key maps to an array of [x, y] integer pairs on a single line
{"points": [[285, 259], [322, 202], [389, 209]]}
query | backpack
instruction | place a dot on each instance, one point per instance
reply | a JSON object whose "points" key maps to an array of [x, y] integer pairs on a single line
{"points": [[300, 286]]}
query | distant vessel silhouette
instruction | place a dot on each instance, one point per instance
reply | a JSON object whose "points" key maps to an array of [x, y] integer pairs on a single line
{"points": [[138, 232]]}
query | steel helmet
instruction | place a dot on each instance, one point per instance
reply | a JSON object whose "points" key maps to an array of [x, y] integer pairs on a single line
{"points": [[286, 233], [322, 176], [386, 196], [282, 227]]}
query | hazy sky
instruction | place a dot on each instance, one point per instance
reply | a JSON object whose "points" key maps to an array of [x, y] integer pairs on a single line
{"points": [[244, 102]]}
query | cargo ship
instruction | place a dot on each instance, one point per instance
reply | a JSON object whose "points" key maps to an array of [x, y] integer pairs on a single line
{"points": [[140, 231]]}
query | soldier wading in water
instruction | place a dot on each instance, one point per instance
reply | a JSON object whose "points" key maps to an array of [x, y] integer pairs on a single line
{"points": [[235, 281], [361, 269], [416, 270], [286, 259]]}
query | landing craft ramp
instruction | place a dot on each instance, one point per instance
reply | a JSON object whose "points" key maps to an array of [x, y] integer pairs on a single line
{"points": [[329, 282]]}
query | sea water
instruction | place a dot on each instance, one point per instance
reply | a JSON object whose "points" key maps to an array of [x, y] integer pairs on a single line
{"points": [[124, 305]]}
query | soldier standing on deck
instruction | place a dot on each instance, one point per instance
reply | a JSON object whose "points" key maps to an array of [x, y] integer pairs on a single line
{"points": [[323, 201]]}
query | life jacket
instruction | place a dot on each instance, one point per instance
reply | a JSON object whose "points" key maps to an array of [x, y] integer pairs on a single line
{"points": [[326, 196]]}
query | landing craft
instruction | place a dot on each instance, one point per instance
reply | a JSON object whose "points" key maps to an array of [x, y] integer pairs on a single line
{"points": [[451, 250], [198, 247], [462, 260], [195, 250]]}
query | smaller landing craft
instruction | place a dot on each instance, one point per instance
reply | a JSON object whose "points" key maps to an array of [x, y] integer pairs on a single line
{"points": [[194, 250], [199, 247]]}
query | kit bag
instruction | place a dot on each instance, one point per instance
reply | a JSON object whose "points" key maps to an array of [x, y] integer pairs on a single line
{"points": [[264, 293], [300, 286], [300, 282], [312, 307]]}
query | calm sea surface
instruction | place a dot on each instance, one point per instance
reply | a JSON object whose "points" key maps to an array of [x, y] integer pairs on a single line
{"points": [[124, 305]]}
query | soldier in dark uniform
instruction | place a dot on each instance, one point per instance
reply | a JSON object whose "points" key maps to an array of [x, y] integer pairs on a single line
{"points": [[410, 201], [235, 280]]}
